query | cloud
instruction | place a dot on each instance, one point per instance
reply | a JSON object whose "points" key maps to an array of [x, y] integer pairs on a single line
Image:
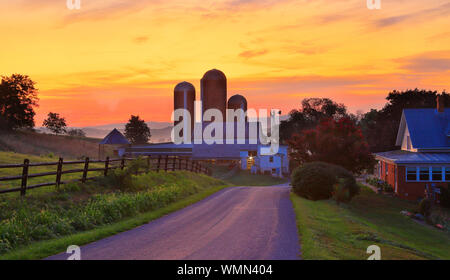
{"points": [[425, 14], [251, 54], [140, 40], [438, 61]]}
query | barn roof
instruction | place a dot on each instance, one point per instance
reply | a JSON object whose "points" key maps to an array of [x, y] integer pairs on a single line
{"points": [[114, 138], [428, 128]]}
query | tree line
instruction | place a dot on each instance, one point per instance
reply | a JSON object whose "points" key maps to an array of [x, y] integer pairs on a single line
{"points": [[19, 97]]}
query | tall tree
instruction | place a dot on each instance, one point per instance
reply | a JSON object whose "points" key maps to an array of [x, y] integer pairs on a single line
{"points": [[137, 131], [313, 110], [18, 96], [380, 126], [338, 142], [55, 123]]}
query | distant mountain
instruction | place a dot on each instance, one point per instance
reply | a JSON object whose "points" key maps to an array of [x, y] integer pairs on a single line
{"points": [[160, 130]]}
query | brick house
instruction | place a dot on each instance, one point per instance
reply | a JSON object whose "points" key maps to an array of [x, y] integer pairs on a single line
{"points": [[424, 158]]}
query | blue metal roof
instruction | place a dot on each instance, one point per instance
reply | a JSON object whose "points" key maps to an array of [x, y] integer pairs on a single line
{"points": [[406, 157], [428, 128], [115, 138]]}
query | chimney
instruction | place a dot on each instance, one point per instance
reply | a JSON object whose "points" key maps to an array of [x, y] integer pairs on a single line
{"points": [[440, 105]]}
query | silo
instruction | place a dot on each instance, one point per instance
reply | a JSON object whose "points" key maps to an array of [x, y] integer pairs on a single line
{"points": [[237, 102], [183, 98], [214, 91]]}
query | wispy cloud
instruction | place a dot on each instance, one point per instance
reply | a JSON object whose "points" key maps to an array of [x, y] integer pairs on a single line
{"points": [[438, 61], [425, 14]]}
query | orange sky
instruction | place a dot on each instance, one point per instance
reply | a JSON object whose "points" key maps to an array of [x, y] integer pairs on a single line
{"points": [[110, 59]]}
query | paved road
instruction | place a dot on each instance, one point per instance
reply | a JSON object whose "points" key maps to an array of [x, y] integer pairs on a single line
{"points": [[249, 223]]}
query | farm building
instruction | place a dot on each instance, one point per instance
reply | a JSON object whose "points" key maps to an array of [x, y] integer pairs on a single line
{"points": [[423, 162], [247, 155], [111, 144]]}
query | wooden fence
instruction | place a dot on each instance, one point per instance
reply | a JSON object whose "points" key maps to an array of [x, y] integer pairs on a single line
{"points": [[159, 163]]}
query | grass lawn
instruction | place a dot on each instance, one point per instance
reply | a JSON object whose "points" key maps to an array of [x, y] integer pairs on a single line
{"points": [[329, 231], [244, 177]]}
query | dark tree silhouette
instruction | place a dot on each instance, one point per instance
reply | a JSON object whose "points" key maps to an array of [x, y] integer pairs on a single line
{"points": [[338, 142], [18, 95], [137, 131], [76, 132], [55, 123], [312, 112], [380, 126]]}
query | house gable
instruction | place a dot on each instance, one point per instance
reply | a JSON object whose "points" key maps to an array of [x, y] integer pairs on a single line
{"points": [[427, 130]]}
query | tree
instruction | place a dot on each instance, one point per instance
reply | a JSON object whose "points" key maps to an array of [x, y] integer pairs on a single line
{"points": [[380, 126], [76, 132], [333, 141], [18, 95], [312, 112], [137, 131], [55, 123]]}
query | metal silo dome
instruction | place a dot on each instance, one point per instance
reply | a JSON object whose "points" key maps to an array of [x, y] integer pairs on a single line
{"points": [[237, 102], [214, 91], [183, 98]]}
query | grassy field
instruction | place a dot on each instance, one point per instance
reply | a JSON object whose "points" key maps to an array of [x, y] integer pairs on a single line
{"points": [[27, 142], [329, 231], [244, 177]]}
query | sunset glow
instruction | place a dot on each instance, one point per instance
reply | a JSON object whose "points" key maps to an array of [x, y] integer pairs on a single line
{"points": [[111, 59]]}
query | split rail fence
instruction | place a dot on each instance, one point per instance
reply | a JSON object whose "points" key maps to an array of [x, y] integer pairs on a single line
{"points": [[158, 163]]}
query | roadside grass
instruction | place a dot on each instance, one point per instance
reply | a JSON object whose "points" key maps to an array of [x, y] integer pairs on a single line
{"points": [[76, 207], [43, 249], [239, 177], [12, 158], [331, 231]]}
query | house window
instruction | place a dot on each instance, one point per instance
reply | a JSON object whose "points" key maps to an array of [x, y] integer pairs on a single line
{"points": [[447, 174], [271, 159], [436, 174], [424, 174], [411, 174]]}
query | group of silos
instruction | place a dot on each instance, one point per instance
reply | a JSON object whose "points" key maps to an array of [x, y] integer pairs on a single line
{"points": [[213, 95]]}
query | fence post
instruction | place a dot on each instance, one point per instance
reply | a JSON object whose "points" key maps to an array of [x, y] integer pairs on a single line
{"points": [[148, 164], [165, 166], [159, 164], [122, 164], [192, 166], [23, 187], [106, 166], [186, 165], [179, 163], [59, 172], [174, 162], [85, 170]]}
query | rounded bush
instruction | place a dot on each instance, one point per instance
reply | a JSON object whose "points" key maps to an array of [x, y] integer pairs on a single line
{"points": [[319, 180], [313, 181]]}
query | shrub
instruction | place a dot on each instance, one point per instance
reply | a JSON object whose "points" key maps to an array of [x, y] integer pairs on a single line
{"points": [[425, 207], [386, 187], [317, 180], [445, 196]]}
